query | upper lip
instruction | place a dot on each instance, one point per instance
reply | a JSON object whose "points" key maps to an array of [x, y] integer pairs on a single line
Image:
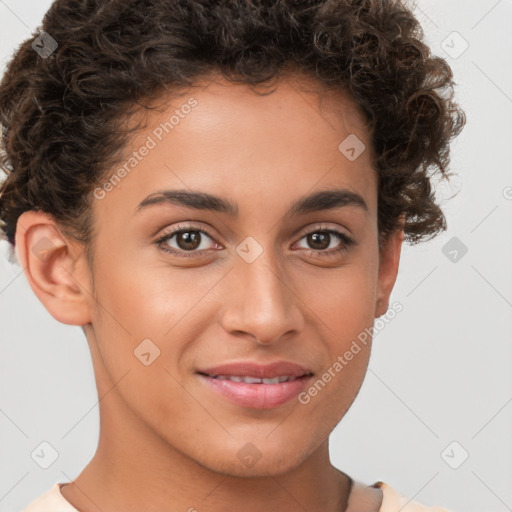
{"points": [[262, 371]]}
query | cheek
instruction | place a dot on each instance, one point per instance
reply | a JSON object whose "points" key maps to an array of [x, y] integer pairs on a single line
{"points": [[147, 315], [343, 304], [342, 299], [146, 299]]}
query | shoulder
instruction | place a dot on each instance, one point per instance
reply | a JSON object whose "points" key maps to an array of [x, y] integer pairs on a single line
{"points": [[392, 501], [51, 501]]}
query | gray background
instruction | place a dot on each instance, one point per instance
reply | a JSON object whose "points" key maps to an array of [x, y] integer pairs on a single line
{"points": [[440, 371]]}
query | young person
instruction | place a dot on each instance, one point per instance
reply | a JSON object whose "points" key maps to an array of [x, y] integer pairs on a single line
{"points": [[218, 192]]}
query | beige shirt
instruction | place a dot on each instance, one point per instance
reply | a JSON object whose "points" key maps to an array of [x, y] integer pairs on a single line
{"points": [[359, 501]]}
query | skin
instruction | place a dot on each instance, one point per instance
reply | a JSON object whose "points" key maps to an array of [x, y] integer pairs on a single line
{"points": [[167, 442]]}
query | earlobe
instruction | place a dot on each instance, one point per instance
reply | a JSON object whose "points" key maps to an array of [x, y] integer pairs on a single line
{"points": [[54, 267]]}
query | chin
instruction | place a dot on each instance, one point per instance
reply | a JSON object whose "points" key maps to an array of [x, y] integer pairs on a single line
{"points": [[248, 461]]}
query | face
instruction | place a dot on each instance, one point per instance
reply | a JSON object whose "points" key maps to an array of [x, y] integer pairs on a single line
{"points": [[249, 274]]}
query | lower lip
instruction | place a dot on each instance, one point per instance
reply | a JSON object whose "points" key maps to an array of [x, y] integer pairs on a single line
{"points": [[257, 396]]}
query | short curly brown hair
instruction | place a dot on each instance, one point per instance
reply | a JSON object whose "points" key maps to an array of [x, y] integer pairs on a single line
{"points": [[61, 115]]}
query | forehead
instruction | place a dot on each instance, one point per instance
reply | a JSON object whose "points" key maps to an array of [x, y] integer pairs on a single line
{"points": [[292, 97], [223, 137]]}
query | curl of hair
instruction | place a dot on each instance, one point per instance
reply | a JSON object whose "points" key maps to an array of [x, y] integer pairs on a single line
{"points": [[61, 116]]}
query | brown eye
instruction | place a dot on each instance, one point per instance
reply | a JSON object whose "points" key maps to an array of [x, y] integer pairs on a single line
{"points": [[186, 241], [319, 240], [327, 242]]}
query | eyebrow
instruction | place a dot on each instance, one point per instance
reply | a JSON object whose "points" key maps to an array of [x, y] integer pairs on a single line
{"points": [[322, 200]]}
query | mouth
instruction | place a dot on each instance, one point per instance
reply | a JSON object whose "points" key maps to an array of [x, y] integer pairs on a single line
{"points": [[253, 380], [255, 386]]}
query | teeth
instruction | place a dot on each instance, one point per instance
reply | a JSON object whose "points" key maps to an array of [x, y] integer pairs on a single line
{"points": [[255, 380], [237, 379]]}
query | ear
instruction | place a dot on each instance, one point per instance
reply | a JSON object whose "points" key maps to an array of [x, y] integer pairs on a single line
{"points": [[388, 268], [55, 267]]}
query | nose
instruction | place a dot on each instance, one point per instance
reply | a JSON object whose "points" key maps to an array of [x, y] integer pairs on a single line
{"points": [[261, 303]]}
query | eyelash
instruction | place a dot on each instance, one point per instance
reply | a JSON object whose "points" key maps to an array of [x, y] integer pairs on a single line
{"points": [[343, 248]]}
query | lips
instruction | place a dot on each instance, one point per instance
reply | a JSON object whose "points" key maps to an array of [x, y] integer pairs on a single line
{"points": [[257, 386], [250, 369]]}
